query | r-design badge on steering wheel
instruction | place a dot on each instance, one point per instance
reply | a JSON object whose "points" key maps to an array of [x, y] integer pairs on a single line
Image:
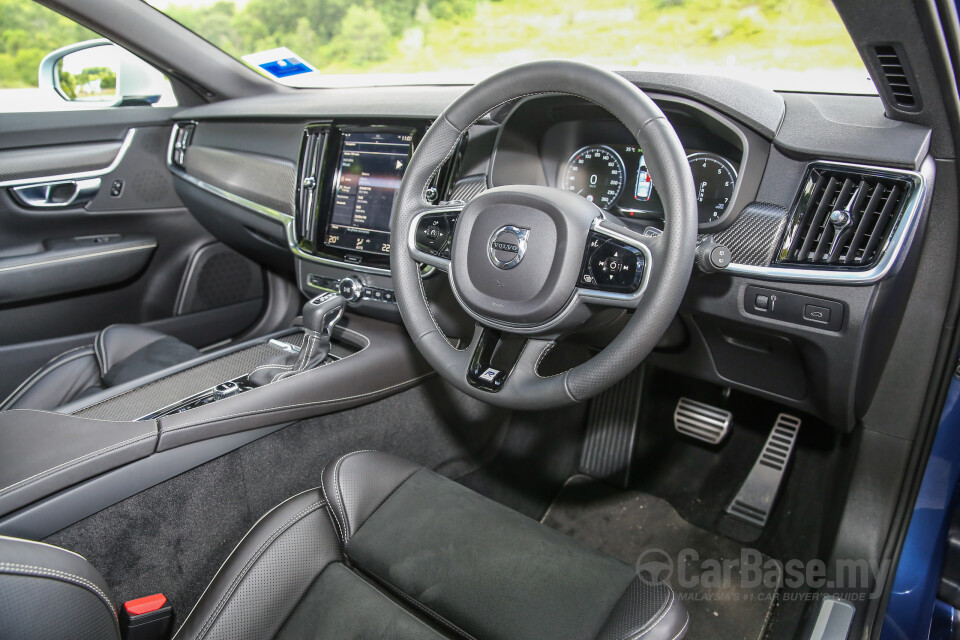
{"points": [[508, 245]]}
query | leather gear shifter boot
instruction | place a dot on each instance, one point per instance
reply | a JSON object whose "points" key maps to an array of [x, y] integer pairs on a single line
{"points": [[319, 317]]}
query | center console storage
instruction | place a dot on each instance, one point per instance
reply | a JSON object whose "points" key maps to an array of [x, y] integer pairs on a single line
{"points": [[44, 455], [179, 390]]}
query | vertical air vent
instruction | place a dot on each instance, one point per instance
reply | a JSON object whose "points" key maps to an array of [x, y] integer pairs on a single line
{"points": [[182, 136], [845, 217], [312, 151], [898, 82]]}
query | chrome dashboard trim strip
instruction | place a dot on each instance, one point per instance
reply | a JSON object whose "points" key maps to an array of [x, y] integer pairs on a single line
{"points": [[906, 226], [79, 175]]}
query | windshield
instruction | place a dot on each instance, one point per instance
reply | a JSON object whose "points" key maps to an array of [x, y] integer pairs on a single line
{"points": [[782, 44]]}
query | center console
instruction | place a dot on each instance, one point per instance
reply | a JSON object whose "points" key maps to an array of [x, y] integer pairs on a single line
{"points": [[348, 177]]}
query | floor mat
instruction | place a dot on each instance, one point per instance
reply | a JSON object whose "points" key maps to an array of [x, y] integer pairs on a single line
{"points": [[642, 529]]}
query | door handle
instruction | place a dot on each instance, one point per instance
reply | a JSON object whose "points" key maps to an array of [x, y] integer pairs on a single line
{"points": [[64, 193]]}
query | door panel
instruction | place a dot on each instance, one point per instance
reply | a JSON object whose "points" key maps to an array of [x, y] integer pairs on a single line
{"points": [[132, 253]]}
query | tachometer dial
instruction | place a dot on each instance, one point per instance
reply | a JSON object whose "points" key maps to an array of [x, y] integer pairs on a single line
{"points": [[714, 179], [595, 172]]}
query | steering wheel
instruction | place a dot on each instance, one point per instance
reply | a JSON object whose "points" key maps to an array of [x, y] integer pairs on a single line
{"points": [[531, 263]]}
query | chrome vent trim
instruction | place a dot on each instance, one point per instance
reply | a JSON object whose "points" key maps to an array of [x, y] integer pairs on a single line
{"points": [[897, 237], [844, 218], [310, 182]]}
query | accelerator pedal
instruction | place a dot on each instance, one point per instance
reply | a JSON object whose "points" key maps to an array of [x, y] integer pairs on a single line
{"points": [[702, 421], [612, 430], [754, 501]]}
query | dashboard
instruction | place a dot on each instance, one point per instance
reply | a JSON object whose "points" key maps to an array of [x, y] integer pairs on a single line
{"points": [[816, 205], [581, 148]]}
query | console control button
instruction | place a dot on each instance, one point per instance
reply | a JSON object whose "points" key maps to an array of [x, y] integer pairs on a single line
{"points": [[795, 308], [815, 313], [323, 282], [351, 289], [375, 294]]}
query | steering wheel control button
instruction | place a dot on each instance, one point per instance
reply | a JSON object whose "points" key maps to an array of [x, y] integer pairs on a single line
{"points": [[434, 233], [794, 308], [508, 245], [611, 265]]}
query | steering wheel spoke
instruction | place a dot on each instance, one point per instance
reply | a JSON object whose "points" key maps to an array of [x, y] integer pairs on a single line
{"points": [[498, 359], [431, 235], [617, 264]]}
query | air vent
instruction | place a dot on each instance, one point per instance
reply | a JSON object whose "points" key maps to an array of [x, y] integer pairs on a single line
{"points": [[310, 180], [844, 218], [897, 78], [182, 136]]}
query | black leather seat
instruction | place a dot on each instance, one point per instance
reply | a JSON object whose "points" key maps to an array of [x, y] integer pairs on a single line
{"points": [[120, 353], [383, 549]]}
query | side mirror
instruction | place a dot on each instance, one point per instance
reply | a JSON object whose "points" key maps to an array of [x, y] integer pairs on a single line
{"points": [[99, 73]]}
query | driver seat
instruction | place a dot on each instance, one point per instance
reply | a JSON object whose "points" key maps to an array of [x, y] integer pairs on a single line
{"points": [[384, 548]]}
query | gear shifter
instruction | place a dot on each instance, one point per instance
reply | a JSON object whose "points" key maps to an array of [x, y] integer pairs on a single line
{"points": [[320, 315]]}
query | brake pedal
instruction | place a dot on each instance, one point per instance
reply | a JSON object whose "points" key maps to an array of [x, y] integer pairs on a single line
{"points": [[754, 501], [701, 421], [611, 431]]}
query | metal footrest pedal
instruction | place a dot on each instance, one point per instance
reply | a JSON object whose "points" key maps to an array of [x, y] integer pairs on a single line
{"points": [[702, 421], [754, 501], [611, 431]]}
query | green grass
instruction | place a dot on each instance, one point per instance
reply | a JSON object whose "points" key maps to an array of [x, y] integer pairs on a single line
{"points": [[772, 35]]}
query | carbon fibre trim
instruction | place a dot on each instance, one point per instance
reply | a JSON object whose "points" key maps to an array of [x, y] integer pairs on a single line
{"points": [[754, 236], [467, 188], [265, 180]]}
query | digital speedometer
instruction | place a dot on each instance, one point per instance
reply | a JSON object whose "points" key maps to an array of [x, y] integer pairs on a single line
{"points": [[595, 172]]}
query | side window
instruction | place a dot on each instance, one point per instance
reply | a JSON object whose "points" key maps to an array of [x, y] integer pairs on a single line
{"points": [[50, 63]]}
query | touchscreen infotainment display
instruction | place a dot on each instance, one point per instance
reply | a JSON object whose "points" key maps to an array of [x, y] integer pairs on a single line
{"points": [[371, 165]]}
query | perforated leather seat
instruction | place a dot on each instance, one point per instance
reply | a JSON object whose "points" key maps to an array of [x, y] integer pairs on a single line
{"points": [[120, 353], [388, 549]]}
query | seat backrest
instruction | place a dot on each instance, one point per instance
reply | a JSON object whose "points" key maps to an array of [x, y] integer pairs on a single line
{"points": [[49, 592]]}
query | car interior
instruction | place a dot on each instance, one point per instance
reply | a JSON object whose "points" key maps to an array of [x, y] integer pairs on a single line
{"points": [[473, 361]]}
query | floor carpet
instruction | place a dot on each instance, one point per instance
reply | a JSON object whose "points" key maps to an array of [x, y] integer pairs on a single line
{"points": [[641, 529]]}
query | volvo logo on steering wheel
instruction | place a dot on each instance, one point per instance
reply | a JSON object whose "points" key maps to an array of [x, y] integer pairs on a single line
{"points": [[507, 246]]}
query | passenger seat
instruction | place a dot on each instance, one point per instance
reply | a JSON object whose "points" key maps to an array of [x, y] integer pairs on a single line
{"points": [[120, 353]]}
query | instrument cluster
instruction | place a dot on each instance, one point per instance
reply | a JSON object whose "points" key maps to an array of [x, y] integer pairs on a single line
{"points": [[615, 178]]}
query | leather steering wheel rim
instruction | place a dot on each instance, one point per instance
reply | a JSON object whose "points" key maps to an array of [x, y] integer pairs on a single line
{"points": [[671, 253]]}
